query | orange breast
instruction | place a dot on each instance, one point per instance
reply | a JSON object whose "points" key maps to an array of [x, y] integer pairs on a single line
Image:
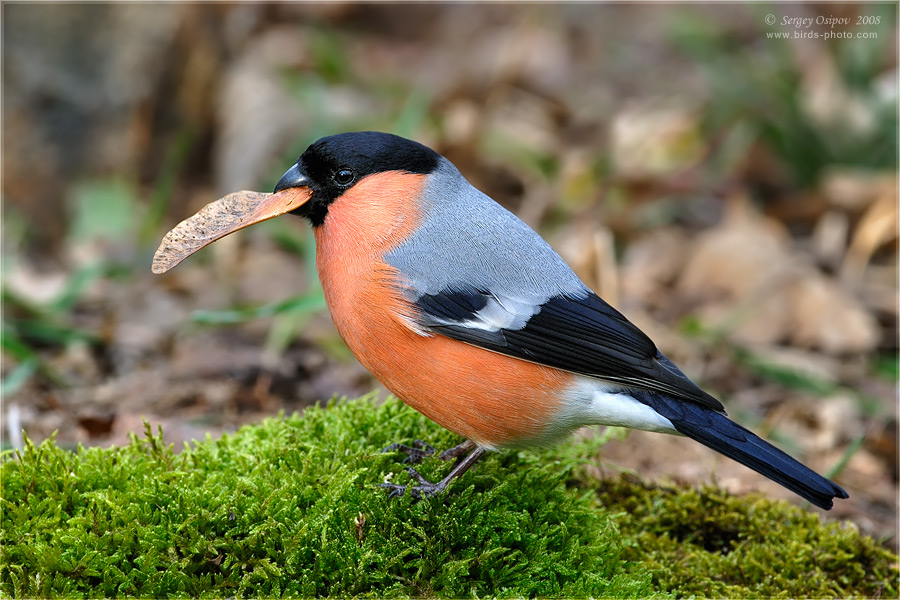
{"points": [[489, 398]]}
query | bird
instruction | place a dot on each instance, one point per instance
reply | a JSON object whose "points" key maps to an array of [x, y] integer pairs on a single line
{"points": [[468, 315]]}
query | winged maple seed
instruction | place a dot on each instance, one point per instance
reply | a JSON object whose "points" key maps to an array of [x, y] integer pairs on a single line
{"points": [[218, 219]]}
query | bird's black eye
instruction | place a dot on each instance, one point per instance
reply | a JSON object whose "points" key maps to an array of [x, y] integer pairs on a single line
{"points": [[344, 176]]}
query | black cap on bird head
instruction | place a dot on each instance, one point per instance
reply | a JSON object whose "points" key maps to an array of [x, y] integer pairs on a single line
{"points": [[336, 163]]}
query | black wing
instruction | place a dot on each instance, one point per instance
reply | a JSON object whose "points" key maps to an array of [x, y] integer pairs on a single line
{"points": [[582, 335]]}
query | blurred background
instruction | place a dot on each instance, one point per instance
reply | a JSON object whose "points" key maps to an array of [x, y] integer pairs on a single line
{"points": [[716, 173]]}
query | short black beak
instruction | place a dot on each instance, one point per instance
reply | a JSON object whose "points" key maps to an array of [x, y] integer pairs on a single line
{"points": [[292, 179]]}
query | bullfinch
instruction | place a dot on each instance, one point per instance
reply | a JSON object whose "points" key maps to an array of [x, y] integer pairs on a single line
{"points": [[467, 315]]}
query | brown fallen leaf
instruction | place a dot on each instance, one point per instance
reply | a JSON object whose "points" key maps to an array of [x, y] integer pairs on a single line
{"points": [[876, 228], [655, 139], [220, 218], [828, 317], [650, 265], [746, 279]]}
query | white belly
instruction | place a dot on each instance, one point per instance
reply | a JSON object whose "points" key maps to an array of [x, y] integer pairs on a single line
{"points": [[593, 402]]}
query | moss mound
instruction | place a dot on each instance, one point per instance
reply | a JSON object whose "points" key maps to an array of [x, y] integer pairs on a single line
{"points": [[707, 543], [291, 507]]}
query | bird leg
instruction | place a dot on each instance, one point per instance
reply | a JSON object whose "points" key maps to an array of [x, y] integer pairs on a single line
{"points": [[428, 489], [457, 451]]}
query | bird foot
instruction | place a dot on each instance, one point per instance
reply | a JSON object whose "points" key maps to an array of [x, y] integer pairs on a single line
{"points": [[420, 450], [414, 454], [425, 488]]}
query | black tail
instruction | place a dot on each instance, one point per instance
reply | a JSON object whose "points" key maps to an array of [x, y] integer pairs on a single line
{"points": [[715, 430]]}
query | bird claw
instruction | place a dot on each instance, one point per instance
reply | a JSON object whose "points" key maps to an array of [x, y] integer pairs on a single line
{"points": [[394, 489], [414, 454], [420, 450], [424, 489]]}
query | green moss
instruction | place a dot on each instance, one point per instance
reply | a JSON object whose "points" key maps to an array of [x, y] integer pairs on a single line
{"points": [[707, 543], [291, 507], [277, 509]]}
